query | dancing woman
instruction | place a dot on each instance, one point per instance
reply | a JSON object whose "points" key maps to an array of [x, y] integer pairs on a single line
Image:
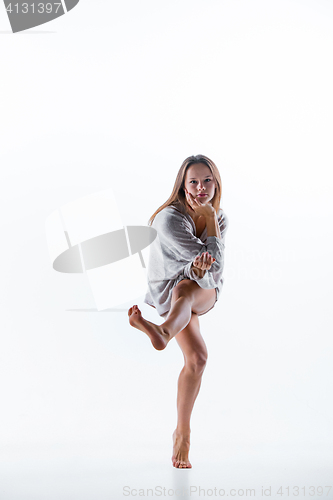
{"points": [[185, 280]]}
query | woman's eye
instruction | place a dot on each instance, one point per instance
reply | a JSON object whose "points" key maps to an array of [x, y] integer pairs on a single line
{"points": [[209, 180]]}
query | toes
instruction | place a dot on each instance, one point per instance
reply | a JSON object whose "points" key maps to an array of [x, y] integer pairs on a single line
{"points": [[182, 465], [133, 309]]}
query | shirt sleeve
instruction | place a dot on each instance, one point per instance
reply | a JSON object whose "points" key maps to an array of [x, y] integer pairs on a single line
{"points": [[176, 233], [210, 278]]}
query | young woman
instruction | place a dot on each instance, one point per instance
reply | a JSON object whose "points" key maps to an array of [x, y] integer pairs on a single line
{"points": [[185, 279]]}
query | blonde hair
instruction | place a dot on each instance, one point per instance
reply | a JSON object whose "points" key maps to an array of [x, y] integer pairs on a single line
{"points": [[178, 193]]}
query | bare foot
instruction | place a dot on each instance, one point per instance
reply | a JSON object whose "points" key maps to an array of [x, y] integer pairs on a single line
{"points": [[181, 447], [159, 337]]}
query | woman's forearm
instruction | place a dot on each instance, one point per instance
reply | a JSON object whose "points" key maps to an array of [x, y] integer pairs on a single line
{"points": [[213, 229], [212, 225]]}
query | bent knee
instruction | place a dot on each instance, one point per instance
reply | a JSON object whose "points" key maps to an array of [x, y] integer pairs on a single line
{"points": [[196, 362]]}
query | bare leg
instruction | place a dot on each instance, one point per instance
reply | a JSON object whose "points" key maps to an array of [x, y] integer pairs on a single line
{"points": [[187, 297], [195, 357], [159, 338]]}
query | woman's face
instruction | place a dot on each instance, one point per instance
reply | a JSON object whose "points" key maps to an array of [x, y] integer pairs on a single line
{"points": [[199, 181]]}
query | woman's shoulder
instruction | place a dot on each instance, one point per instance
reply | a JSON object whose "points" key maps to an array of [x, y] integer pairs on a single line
{"points": [[169, 217], [173, 211]]}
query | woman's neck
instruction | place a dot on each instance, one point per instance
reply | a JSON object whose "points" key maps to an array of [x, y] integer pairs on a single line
{"points": [[194, 216]]}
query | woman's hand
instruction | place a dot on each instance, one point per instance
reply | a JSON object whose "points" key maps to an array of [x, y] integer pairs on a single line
{"points": [[203, 261], [204, 209]]}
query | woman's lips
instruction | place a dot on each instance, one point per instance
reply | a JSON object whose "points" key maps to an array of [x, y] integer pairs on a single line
{"points": [[201, 195]]}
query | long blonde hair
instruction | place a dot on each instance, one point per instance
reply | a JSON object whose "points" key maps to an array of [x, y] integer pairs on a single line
{"points": [[178, 193]]}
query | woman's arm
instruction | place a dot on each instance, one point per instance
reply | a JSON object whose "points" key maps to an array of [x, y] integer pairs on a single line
{"points": [[179, 247], [213, 229], [212, 224]]}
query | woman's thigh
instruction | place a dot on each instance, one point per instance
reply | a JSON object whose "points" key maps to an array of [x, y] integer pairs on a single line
{"points": [[191, 342], [202, 299]]}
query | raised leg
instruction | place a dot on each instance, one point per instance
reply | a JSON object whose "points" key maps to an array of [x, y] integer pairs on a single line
{"points": [[195, 357], [187, 297]]}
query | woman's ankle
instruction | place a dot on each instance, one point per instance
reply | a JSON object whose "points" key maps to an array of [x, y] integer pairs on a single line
{"points": [[183, 432]]}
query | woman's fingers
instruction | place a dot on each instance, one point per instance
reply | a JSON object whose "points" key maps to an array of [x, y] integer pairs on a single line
{"points": [[198, 261], [189, 199], [211, 260], [192, 201], [208, 260], [204, 261]]}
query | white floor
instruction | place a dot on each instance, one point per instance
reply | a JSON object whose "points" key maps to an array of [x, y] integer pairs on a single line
{"points": [[87, 473]]}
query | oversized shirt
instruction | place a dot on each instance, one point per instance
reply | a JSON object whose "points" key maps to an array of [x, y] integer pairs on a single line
{"points": [[173, 252]]}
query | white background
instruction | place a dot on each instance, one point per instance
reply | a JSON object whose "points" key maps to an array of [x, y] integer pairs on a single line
{"points": [[116, 95]]}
